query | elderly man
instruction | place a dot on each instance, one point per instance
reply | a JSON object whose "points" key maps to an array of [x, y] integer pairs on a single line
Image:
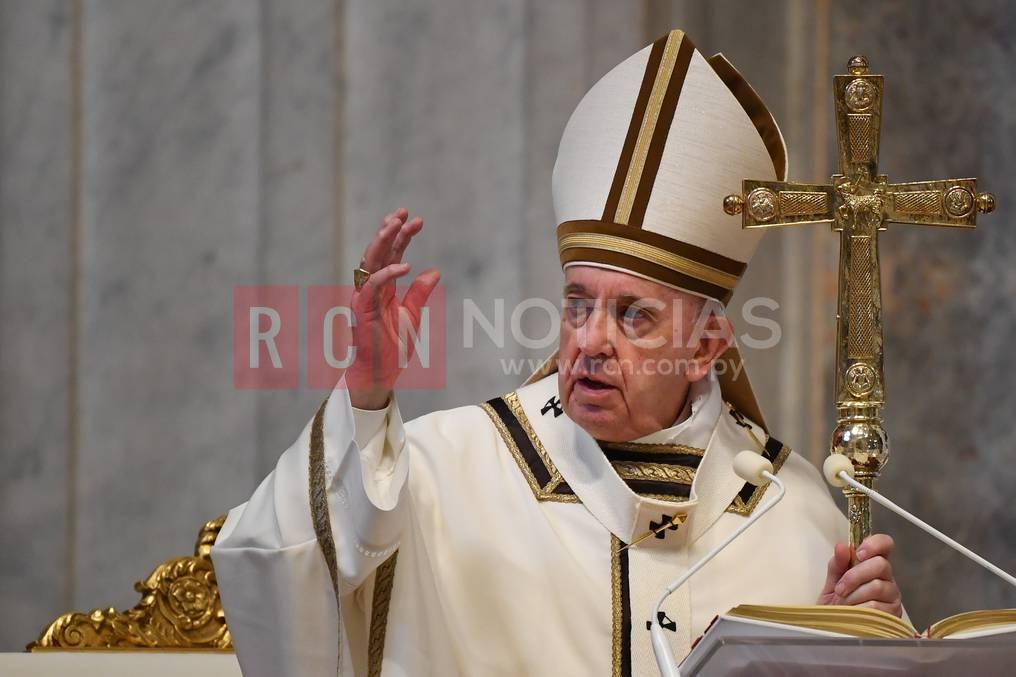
{"points": [[531, 534]]}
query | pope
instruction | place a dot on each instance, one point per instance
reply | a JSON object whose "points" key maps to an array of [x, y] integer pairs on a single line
{"points": [[531, 534]]}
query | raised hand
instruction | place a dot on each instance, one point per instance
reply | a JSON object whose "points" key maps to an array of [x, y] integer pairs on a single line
{"points": [[377, 337]]}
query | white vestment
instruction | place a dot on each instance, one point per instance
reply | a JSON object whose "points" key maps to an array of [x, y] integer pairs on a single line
{"points": [[488, 540]]}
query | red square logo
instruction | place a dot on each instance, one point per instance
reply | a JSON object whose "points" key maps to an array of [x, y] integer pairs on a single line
{"points": [[330, 351], [266, 337]]}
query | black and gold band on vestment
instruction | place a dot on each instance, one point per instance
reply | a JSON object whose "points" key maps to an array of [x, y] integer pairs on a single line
{"points": [[319, 512], [620, 604], [749, 496], [517, 432], [772, 450], [384, 580], [649, 254], [661, 471]]}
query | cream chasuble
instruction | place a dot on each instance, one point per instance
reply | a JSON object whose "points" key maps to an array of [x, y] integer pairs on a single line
{"points": [[488, 540]]}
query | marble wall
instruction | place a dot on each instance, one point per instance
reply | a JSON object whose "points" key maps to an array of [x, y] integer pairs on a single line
{"points": [[154, 156], [156, 153]]}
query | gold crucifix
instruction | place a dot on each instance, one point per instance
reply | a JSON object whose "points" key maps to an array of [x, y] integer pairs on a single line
{"points": [[858, 204]]}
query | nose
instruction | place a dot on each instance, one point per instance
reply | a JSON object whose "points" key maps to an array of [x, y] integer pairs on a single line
{"points": [[596, 335]]}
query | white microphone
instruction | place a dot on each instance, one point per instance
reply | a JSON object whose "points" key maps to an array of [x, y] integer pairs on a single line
{"points": [[751, 467], [839, 472]]}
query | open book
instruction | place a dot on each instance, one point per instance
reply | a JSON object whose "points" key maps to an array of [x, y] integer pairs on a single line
{"points": [[749, 621], [854, 621]]}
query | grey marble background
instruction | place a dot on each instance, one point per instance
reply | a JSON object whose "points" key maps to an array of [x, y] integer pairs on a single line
{"points": [[156, 153]]}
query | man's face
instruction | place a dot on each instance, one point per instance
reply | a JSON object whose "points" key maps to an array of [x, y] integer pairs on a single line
{"points": [[629, 350]]}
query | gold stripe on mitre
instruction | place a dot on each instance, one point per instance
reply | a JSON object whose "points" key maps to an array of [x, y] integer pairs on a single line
{"points": [[650, 119], [651, 255], [663, 79]]}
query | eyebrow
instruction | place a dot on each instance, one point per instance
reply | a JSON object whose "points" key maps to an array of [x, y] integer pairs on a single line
{"points": [[575, 288], [624, 298], [629, 299]]}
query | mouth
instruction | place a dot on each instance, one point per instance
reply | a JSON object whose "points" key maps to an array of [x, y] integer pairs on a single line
{"points": [[593, 384]]}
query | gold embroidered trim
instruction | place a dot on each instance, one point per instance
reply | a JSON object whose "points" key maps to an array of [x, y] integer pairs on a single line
{"points": [[650, 253], [665, 498], [653, 448], [649, 120], [318, 491], [655, 472], [617, 615], [512, 400], [384, 579], [544, 493], [739, 507]]}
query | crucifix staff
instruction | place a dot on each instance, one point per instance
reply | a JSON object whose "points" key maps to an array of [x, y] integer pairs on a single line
{"points": [[858, 203]]}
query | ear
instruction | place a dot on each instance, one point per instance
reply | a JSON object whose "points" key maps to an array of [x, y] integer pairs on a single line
{"points": [[715, 335]]}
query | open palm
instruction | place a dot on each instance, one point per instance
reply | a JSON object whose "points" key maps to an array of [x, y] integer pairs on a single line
{"points": [[384, 326]]}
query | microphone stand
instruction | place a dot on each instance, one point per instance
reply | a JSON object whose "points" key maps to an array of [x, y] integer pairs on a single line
{"points": [[840, 472], [745, 466]]}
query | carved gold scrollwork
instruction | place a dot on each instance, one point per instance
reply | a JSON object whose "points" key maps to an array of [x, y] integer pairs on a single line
{"points": [[180, 608]]}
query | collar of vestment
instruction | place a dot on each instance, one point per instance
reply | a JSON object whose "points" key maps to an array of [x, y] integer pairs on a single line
{"points": [[664, 464], [615, 481]]}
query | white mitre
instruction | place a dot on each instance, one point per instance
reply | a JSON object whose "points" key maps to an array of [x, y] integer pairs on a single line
{"points": [[644, 164]]}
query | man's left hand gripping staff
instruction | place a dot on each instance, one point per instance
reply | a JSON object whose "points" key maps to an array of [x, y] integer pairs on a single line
{"points": [[870, 582]]}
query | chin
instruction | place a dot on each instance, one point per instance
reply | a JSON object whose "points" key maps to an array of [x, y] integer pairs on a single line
{"points": [[602, 424]]}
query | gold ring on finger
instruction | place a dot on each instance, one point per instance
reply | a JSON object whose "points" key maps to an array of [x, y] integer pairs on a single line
{"points": [[360, 277]]}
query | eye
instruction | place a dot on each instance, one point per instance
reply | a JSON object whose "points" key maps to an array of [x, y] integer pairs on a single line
{"points": [[637, 319], [576, 311]]}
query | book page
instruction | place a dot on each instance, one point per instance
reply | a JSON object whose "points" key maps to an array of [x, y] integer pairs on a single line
{"points": [[975, 624], [852, 621]]}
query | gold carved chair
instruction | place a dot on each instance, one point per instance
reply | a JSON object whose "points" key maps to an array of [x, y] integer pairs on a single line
{"points": [[179, 609]]}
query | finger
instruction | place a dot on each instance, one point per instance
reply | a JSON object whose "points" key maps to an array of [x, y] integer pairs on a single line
{"points": [[869, 570], [839, 563], [404, 237], [419, 291], [376, 256], [874, 546], [401, 213], [896, 609], [386, 275], [873, 591]]}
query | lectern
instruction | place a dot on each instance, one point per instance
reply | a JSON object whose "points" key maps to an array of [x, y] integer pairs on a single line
{"points": [[806, 657]]}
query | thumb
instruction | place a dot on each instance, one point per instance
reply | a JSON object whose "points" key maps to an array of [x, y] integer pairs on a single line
{"points": [[418, 292], [839, 563]]}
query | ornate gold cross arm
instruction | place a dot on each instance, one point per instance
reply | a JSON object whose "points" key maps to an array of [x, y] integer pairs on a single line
{"points": [[781, 203], [858, 203], [950, 203]]}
